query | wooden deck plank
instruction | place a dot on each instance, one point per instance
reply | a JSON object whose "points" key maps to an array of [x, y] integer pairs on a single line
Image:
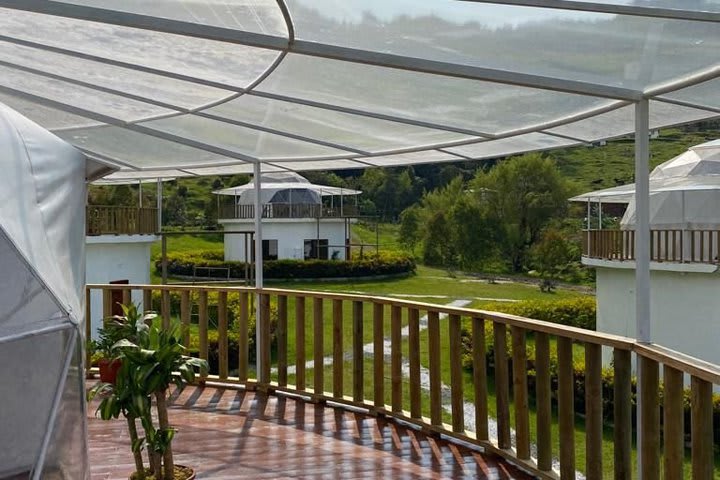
{"points": [[234, 434]]}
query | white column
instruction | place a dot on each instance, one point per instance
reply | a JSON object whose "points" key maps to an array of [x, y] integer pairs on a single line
{"points": [[642, 248], [258, 264], [642, 222], [159, 203]]}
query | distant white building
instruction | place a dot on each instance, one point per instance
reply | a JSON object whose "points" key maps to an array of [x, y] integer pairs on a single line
{"points": [[117, 250], [685, 255], [300, 220]]}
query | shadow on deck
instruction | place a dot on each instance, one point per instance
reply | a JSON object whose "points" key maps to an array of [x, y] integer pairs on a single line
{"points": [[235, 434]]}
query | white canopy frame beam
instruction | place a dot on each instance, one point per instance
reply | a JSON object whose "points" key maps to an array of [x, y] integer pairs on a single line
{"points": [[316, 49], [259, 281], [617, 9]]}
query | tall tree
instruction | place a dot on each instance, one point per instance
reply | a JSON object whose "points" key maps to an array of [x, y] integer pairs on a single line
{"points": [[523, 193]]}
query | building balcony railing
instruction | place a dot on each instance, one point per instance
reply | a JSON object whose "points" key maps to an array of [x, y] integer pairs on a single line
{"points": [[383, 373], [287, 210], [670, 245], [112, 220]]}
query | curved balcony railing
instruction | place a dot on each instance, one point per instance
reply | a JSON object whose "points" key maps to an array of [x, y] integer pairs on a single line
{"points": [[111, 220], [680, 246], [374, 354], [287, 210]]}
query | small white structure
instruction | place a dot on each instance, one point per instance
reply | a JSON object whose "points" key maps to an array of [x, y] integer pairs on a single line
{"points": [[117, 250], [685, 255], [42, 222], [300, 220]]}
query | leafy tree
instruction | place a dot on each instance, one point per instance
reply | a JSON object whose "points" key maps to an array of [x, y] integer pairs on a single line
{"points": [[551, 256], [410, 234], [524, 193]]}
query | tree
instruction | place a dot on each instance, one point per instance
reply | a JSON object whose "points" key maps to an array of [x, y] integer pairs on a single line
{"points": [[523, 194], [410, 234], [551, 256]]}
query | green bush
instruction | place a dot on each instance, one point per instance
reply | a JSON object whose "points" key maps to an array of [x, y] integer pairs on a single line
{"points": [[369, 265], [574, 312]]}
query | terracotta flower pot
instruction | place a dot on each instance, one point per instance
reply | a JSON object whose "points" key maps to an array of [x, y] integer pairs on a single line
{"points": [[109, 369]]}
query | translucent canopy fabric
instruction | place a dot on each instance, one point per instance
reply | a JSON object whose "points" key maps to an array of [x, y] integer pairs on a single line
{"points": [[201, 87], [42, 241]]}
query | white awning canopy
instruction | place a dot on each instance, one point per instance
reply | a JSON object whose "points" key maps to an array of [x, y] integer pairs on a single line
{"points": [[208, 87]]}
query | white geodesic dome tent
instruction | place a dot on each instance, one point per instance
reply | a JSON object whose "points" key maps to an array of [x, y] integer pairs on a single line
{"points": [[42, 229], [684, 192], [284, 187]]}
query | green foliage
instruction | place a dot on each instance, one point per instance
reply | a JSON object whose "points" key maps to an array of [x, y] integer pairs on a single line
{"points": [[574, 312], [553, 257], [370, 265], [523, 194]]}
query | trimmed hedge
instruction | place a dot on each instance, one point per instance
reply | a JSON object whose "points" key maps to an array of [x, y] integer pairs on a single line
{"points": [[369, 265], [574, 312]]}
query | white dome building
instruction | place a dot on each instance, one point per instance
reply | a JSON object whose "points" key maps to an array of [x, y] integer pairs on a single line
{"points": [[301, 220]]}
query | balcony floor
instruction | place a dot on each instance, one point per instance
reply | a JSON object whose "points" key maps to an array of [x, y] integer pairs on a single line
{"points": [[233, 434]]}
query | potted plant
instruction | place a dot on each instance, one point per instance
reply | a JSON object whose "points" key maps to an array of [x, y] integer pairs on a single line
{"points": [[114, 329], [152, 361]]}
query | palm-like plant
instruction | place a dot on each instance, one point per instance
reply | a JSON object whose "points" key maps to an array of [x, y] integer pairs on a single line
{"points": [[152, 360]]}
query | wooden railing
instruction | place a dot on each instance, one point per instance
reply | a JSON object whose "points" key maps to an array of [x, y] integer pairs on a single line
{"points": [[111, 220], [286, 210], [682, 246], [375, 354]]}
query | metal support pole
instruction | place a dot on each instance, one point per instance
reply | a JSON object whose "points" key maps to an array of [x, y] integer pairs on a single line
{"points": [[600, 225], [159, 203], [140, 193], [642, 248], [258, 271]]}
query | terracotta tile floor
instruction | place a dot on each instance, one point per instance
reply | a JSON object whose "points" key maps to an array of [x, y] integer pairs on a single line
{"points": [[234, 434]]}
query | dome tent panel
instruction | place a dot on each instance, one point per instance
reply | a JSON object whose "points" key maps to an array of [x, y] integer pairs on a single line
{"points": [[65, 457], [296, 195], [31, 370]]}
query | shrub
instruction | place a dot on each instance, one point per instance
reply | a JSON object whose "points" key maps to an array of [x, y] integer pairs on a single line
{"points": [[369, 265], [575, 312]]}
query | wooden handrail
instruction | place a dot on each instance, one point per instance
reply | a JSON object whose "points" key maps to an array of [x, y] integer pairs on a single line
{"points": [[119, 220], [666, 245], [287, 210], [347, 329]]}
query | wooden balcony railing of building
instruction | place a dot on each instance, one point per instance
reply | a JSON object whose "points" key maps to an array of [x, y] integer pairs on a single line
{"points": [[681, 246], [371, 353], [111, 220], [286, 210]]}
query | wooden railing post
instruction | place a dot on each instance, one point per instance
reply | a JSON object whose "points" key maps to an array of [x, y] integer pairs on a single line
{"points": [[649, 448], [107, 304], [300, 343], [502, 385], [264, 350], [673, 428], [185, 316], [165, 309], [701, 414], [378, 356], [480, 378], [318, 347], [147, 301], [203, 323], [434, 367], [456, 379], [282, 339], [622, 414], [338, 352], [358, 354], [396, 358], [243, 337], [222, 328], [593, 411], [520, 394], [414, 359], [544, 407], [566, 408]]}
